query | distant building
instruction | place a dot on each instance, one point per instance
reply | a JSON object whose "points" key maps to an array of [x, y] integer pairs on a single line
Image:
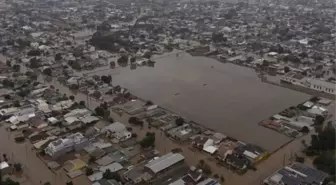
{"points": [[295, 78], [296, 174], [61, 146]]}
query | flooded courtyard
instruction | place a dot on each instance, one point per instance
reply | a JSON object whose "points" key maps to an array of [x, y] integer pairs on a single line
{"points": [[224, 97]]}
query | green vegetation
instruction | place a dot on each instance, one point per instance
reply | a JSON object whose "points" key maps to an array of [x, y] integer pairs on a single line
{"points": [[286, 69], [135, 121], [106, 79], [89, 171], [205, 167], [103, 110], [179, 121], [16, 68], [8, 83], [9, 181], [123, 61], [148, 140], [82, 103], [47, 71], [111, 175], [323, 147]]}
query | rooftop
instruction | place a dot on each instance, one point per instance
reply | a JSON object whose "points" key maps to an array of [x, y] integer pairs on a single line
{"points": [[164, 162], [296, 174]]}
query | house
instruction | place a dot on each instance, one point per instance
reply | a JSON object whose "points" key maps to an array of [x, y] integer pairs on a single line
{"points": [[296, 174], [104, 161], [16, 119], [199, 142], [181, 133], [113, 167], [71, 120], [96, 176], [251, 152], [61, 146], [9, 111], [210, 147], [88, 119], [318, 111], [164, 163], [77, 113], [237, 162], [137, 175], [37, 122], [209, 181], [52, 120], [225, 148], [5, 168], [118, 131], [74, 165], [62, 105], [106, 182]]}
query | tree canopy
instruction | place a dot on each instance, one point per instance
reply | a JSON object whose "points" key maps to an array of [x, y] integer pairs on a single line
{"points": [[323, 146], [179, 121], [148, 140], [111, 175], [47, 71], [9, 181], [106, 79]]}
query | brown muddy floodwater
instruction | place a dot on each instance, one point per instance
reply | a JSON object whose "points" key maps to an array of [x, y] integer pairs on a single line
{"points": [[224, 97]]}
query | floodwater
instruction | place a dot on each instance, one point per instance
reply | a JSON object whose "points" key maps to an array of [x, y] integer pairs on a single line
{"points": [[230, 99], [224, 97]]}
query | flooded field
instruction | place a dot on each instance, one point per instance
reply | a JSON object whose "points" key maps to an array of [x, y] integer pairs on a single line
{"points": [[225, 97]]}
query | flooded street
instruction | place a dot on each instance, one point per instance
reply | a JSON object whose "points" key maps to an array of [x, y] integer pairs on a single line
{"points": [[225, 97], [221, 104]]}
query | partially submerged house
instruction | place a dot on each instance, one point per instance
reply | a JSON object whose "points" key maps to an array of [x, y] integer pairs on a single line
{"points": [[61, 146], [164, 163], [117, 130]]}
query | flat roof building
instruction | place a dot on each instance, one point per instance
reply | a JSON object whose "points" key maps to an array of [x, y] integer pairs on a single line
{"points": [[296, 174], [164, 162]]}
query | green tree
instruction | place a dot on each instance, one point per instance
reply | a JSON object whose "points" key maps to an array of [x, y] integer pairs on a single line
{"points": [[89, 171], [148, 140], [72, 98], [286, 69], [179, 121], [31, 75], [82, 103], [8, 63], [58, 57], [106, 79], [132, 60], [319, 120], [111, 175], [18, 167], [16, 103], [9, 181], [16, 68], [47, 71], [8, 83]]}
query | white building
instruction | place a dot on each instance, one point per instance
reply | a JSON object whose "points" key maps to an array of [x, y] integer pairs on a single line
{"points": [[61, 146], [118, 130], [311, 83]]}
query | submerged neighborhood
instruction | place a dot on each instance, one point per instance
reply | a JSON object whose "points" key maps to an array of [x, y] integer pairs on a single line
{"points": [[167, 93]]}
